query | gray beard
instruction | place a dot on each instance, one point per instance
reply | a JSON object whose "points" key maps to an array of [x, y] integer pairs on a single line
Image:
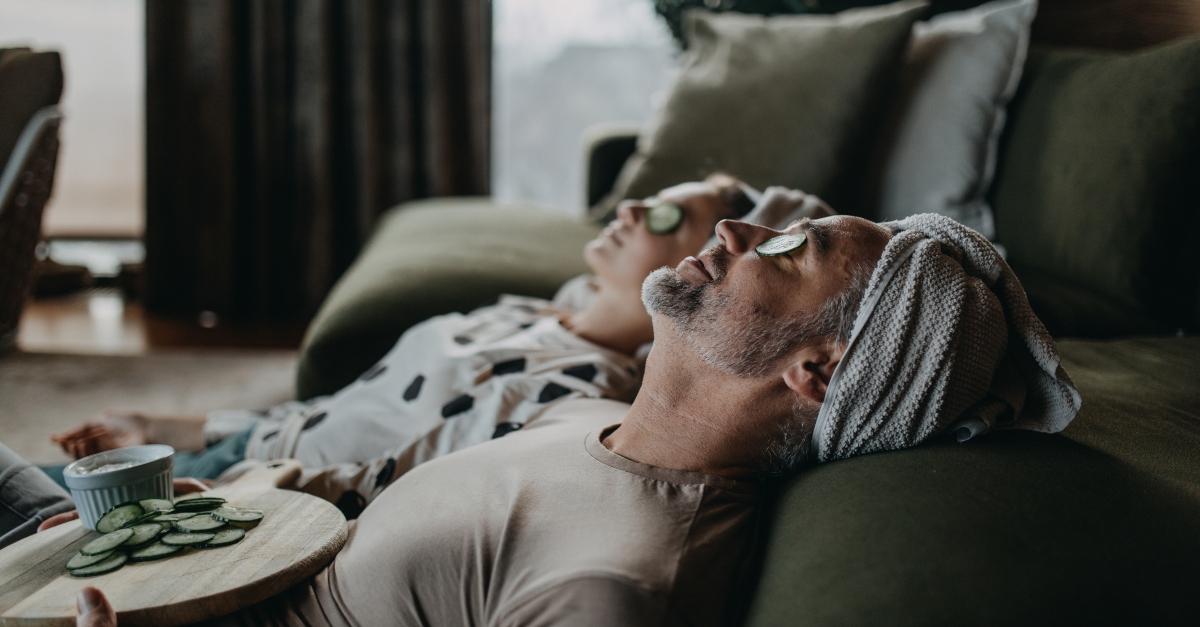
{"points": [[753, 347], [788, 451]]}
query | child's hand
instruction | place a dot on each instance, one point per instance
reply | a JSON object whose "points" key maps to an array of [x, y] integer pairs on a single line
{"points": [[58, 519], [108, 431]]}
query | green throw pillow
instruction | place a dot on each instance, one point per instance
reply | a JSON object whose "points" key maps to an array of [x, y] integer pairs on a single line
{"points": [[787, 100], [1099, 186]]}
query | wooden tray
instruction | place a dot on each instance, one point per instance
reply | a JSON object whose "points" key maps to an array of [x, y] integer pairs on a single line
{"points": [[298, 537]]}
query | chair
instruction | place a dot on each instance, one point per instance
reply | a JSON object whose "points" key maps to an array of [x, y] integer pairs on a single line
{"points": [[30, 88]]}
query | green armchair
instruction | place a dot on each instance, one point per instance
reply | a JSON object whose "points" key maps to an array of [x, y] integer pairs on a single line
{"points": [[30, 86]]}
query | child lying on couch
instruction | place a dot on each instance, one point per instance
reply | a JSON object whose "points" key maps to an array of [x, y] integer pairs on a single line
{"points": [[458, 380]]}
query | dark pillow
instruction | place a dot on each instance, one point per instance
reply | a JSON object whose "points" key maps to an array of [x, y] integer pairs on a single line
{"points": [[788, 100], [1098, 190]]}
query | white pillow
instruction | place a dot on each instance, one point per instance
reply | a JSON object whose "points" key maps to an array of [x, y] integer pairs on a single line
{"points": [[938, 146]]}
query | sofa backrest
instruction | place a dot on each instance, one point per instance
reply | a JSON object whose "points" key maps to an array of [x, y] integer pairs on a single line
{"points": [[28, 81], [1095, 195]]}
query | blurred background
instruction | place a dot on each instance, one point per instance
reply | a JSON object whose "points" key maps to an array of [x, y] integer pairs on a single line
{"points": [[558, 68]]}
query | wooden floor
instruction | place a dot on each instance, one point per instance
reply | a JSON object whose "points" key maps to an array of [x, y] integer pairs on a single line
{"points": [[95, 350], [101, 321]]}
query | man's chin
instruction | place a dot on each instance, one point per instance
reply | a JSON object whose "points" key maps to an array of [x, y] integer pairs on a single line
{"points": [[665, 292]]}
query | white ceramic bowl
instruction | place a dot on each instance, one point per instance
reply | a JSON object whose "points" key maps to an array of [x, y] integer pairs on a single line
{"points": [[97, 492]]}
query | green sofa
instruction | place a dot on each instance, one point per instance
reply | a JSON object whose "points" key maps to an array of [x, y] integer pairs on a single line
{"points": [[1097, 525]]}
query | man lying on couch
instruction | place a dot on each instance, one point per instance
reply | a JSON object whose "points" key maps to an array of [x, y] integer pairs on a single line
{"points": [[836, 338], [458, 380]]}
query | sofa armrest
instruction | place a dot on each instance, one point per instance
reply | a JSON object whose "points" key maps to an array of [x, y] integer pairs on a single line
{"points": [[607, 148]]}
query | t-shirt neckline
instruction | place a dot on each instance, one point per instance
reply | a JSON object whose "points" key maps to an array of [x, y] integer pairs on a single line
{"points": [[595, 447]]}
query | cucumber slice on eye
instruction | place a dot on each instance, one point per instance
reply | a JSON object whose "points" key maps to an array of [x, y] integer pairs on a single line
{"points": [[155, 551], [781, 244], [663, 218], [156, 505], [187, 539], [236, 514], [118, 516], [115, 560], [199, 524], [142, 534], [225, 537], [81, 560], [107, 542]]}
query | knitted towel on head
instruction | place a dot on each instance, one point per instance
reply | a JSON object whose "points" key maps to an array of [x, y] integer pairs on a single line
{"points": [[944, 340]]}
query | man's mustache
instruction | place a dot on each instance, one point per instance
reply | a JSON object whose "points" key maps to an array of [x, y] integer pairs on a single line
{"points": [[718, 261]]}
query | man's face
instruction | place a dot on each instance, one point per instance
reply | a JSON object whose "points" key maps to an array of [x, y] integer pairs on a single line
{"points": [[745, 313], [627, 252]]}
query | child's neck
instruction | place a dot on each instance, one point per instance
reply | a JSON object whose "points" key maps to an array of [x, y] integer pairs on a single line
{"points": [[616, 320]]}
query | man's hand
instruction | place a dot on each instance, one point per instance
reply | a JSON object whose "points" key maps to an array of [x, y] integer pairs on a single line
{"points": [[92, 609], [183, 485]]}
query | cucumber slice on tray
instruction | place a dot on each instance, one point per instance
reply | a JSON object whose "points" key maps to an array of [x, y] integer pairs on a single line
{"points": [[199, 523], [115, 560], [174, 517], [198, 505], [155, 551], [81, 560], [236, 514], [186, 539], [142, 534], [107, 542], [156, 505], [144, 518], [152, 529], [118, 517], [225, 537]]}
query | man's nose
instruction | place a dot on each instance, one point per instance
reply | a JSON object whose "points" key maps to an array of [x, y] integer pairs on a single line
{"points": [[739, 237]]}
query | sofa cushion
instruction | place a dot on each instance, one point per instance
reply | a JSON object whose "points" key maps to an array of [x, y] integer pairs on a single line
{"points": [[937, 151], [433, 257], [1095, 526], [1097, 186], [1071, 309], [1141, 403], [784, 100]]}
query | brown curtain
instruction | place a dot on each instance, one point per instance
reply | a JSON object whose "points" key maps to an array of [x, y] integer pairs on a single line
{"points": [[277, 131]]}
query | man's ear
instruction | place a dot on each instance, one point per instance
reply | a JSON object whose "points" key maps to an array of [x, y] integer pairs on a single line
{"points": [[809, 374]]}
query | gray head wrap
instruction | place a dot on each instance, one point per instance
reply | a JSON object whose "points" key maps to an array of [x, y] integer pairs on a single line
{"points": [[944, 340]]}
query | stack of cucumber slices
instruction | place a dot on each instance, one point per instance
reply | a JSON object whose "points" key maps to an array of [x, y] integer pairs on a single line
{"points": [[151, 529]]}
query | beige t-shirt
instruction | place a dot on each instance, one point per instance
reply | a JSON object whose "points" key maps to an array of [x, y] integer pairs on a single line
{"points": [[544, 527]]}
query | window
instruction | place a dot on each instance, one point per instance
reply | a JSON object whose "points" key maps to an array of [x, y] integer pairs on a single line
{"points": [[561, 67], [98, 186]]}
